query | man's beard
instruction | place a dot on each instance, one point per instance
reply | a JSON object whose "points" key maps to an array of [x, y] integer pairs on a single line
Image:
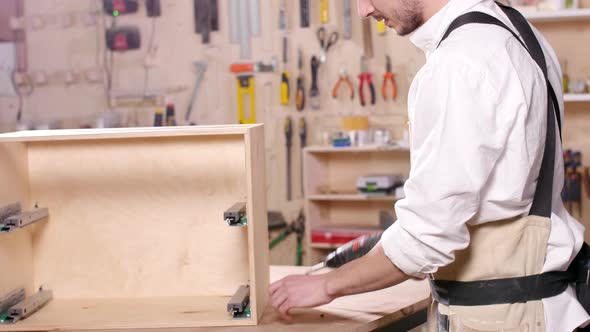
{"points": [[409, 16]]}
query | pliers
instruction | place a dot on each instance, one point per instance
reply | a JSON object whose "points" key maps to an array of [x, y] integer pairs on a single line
{"points": [[388, 77], [366, 77], [343, 79]]}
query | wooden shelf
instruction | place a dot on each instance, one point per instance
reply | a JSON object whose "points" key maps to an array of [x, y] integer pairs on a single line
{"points": [[351, 197], [352, 149], [559, 15], [325, 246], [576, 97]]}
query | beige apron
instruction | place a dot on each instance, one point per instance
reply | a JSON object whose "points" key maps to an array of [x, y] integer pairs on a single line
{"points": [[501, 249]]}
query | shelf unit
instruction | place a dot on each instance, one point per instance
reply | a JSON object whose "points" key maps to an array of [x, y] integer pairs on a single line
{"points": [[558, 16], [576, 97], [331, 198]]}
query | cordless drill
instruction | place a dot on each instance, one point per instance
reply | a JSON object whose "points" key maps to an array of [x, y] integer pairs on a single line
{"points": [[352, 250]]}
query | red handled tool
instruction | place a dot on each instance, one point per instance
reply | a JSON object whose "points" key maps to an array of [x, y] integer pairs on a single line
{"points": [[366, 78]]}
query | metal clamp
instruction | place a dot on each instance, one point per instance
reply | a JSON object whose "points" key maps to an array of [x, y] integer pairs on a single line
{"points": [[13, 217]]}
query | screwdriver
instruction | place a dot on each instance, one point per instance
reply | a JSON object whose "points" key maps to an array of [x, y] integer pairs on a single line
{"points": [[300, 94], [352, 250], [289, 144], [285, 91], [303, 140]]}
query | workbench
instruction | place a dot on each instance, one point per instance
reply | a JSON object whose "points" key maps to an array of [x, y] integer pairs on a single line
{"points": [[392, 309]]}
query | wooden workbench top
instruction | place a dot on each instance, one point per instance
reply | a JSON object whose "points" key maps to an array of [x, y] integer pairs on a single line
{"points": [[365, 312]]}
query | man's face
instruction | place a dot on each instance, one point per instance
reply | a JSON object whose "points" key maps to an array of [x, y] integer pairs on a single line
{"points": [[404, 16]]}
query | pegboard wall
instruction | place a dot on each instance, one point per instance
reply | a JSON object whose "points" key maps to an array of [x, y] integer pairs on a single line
{"points": [[57, 45]]}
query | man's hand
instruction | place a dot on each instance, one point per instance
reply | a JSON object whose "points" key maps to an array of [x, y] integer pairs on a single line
{"points": [[371, 272], [299, 291]]}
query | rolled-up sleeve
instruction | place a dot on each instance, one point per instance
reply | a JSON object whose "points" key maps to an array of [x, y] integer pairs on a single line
{"points": [[460, 126]]}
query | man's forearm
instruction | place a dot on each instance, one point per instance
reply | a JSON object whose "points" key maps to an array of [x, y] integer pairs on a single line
{"points": [[372, 272]]}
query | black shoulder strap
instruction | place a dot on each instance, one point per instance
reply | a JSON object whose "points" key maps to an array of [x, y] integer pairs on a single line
{"points": [[544, 192]]}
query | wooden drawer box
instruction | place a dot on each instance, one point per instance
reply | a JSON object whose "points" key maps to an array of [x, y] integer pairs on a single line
{"points": [[136, 236]]}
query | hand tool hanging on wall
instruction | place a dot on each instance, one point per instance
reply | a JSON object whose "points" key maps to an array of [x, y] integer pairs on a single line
{"points": [[324, 11], [303, 141], [246, 90], [288, 145], [326, 42], [283, 15], [367, 39], [244, 23], [347, 8], [314, 92], [389, 77], [254, 67], [304, 13], [206, 18], [343, 78], [365, 77], [285, 91], [300, 94], [200, 68]]}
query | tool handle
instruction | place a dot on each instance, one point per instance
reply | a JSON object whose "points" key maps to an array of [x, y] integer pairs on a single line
{"points": [[246, 88], [241, 68], [315, 65], [285, 88], [389, 77], [373, 94], [304, 13], [350, 88], [362, 88], [300, 95], [335, 89], [352, 250]]}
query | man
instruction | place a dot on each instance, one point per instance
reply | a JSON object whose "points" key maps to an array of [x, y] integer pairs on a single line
{"points": [[479, 122]]}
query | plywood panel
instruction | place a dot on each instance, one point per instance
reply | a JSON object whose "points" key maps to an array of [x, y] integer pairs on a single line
{"points": [[77, 314], [139, 217], [257, 230], [16, 255]]}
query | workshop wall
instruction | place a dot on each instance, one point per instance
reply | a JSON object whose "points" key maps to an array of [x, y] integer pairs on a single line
{"points": [[54, 50]]}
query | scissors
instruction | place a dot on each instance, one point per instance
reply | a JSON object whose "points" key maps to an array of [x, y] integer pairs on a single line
{"points": [[326, 44]]}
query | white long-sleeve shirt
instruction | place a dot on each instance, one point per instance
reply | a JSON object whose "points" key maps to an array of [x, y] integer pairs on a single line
{"points": [[477, 113]]}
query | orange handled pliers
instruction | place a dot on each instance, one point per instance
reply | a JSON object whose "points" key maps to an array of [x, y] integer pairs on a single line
{"points": [[388, 77], [343, 79]]}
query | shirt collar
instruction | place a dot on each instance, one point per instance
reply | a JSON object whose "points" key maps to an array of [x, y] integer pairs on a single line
{"points": [[430, 33]]}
